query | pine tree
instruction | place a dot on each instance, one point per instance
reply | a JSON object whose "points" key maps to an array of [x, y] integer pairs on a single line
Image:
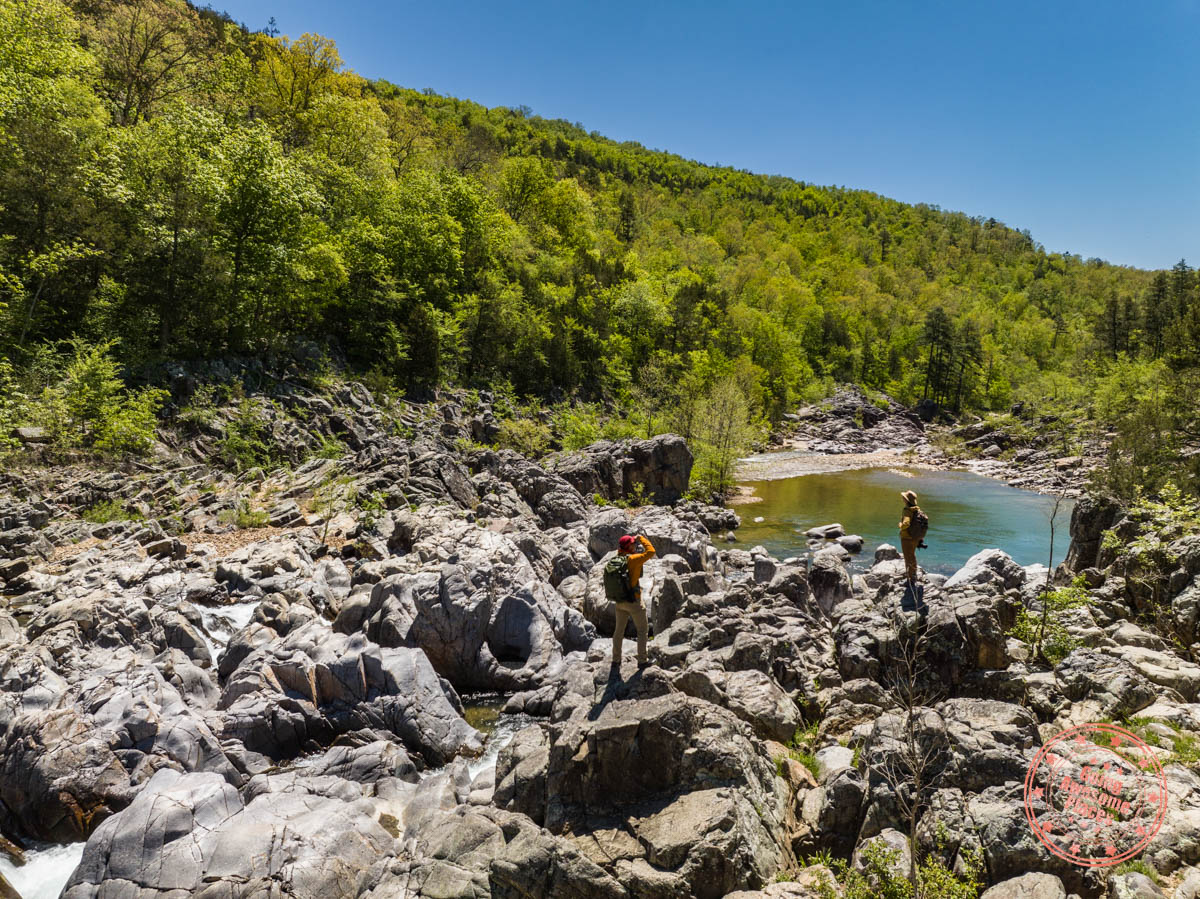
{"points": [[970, 358], [1156, 313], [939, 336], [1131, 323], [1117, 329], [1182, 282]]}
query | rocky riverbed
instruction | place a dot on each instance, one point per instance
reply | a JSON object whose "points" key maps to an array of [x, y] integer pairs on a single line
{"points": [[252, 685]]}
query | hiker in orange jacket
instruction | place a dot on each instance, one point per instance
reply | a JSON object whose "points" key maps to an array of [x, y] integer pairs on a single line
{"points": [[627, 546]]}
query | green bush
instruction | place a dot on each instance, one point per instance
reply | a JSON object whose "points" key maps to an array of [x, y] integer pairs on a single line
{"points": [[1171, 509], [583, 424], [528, 437], [201, 408], [109, 510], [879, 880], [247, 442], [1044, 631], [801, 745], [577, 428], [635, 498], [11, 407], [91, 389], [936, 881], [372, 506], [80, 403], [245, 516], [381, 384], [1136, 866], [330, 448], [129, 421]]}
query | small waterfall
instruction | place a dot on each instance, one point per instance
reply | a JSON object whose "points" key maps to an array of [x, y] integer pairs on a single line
{"points": [[501, 735], [222, 622], [47, 868]]}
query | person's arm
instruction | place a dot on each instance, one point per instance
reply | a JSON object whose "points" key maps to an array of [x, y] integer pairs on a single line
{"points": [[647, 551], [905, 522]]}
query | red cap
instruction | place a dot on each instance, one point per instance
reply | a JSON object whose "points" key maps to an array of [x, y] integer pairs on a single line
{"points": [[625, 542]]}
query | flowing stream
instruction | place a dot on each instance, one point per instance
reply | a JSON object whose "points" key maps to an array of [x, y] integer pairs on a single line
{"points": [[48, 866], [483, 713], [967, 513], [46, 871], [222, 622]]}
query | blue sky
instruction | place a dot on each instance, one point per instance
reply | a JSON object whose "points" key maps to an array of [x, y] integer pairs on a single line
{"points": [[1078, 121]]}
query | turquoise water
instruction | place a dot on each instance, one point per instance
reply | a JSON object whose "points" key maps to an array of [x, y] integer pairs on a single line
{"points": [[967, 513]]}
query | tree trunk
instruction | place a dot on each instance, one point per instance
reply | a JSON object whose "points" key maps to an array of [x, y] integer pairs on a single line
{"points": [[164, 317], [29, 313]]}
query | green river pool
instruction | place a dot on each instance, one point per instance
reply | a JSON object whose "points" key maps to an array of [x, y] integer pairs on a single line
{"points": [[967, 513]]}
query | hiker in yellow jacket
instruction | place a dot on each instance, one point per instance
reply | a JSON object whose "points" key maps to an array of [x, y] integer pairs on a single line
{"points": [[909, 543], [626, 546]]}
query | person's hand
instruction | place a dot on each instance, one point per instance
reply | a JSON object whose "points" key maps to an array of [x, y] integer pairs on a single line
{"points": [[922, 545]]}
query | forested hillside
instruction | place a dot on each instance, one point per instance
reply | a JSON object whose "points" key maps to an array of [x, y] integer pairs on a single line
{"points": [[185, 188]]}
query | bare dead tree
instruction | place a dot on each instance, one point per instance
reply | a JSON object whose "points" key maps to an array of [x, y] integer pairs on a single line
{"points": [[915, 742], [1060, 496]]}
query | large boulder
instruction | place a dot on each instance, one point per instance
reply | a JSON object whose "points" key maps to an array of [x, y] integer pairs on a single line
{"points": [[472, 600], [607, 527], [832, 813], [697, 794], [1132, 885], [114, 616], [1010, 849], [65, 768], [314, 684], [829, 581], [1163, 668], [966, 744], [753, 696], [776, 630], [185, 834], [988, 566], [59, 778], [1028, 886], [1119, 689], [660, 468], [1090, 518], [551, 496], [967, 631], [672, 536], [1177, 842], [468, 851]]}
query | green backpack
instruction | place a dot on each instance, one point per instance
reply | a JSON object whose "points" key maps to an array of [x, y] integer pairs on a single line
{"points": [[617, 587], [919, 526]]}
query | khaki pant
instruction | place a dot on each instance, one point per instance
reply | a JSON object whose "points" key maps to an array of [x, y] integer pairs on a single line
{"points": [[625, 611], [909, 547]]}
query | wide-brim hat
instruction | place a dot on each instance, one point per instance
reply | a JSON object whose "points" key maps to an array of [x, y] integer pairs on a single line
{"points": [[909, 497]]}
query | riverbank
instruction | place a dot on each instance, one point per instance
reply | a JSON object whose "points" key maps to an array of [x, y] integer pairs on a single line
{"points": [[850, 431], [797, 461]]}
